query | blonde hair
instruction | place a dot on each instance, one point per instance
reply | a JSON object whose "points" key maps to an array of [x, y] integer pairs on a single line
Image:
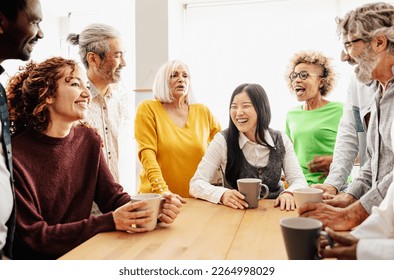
{"points": [[161, 84]]}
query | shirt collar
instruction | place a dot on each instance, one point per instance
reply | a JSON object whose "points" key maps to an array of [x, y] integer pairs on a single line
{"points": [[242, 139], [1, 70], [95, 92]]}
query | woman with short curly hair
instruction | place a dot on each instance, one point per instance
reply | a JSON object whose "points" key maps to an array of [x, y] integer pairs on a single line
{"points": [[313, 125]]}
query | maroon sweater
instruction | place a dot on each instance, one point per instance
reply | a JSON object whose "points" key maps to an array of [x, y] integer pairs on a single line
{"points": [[56, 182]]}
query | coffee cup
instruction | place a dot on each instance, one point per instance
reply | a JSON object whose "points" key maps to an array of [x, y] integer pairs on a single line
{"points": [[154, 202], [305, 195], [301, 236], [251, 189]]}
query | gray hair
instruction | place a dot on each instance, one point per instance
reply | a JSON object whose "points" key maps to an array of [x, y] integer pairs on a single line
{"points": [[161, 88], [94, 38], [369, 21]]}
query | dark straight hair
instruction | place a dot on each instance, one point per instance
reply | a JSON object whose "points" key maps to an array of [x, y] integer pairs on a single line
{"points": [[261, 104]]}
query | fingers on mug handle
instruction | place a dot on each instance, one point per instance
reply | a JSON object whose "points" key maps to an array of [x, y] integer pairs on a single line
{"points": [[329, 239], [267, 191]]}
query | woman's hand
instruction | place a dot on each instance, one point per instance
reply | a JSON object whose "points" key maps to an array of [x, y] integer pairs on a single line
{"points": [[180, 198], [171, 207], [127, 218], [234, 199], [320, 164], [285, 201]]}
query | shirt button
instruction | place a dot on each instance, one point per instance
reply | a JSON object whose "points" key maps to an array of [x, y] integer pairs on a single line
{"points": [[5, 123]]}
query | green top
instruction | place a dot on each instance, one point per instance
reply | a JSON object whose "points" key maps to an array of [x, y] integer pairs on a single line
{"points": [[313, 133]]}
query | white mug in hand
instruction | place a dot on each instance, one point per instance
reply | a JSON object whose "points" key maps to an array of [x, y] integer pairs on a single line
{"points": [[305, 195], [155, 203]]}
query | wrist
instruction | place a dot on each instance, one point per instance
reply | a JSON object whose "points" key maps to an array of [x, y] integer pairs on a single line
{"points": [[355, 214]]}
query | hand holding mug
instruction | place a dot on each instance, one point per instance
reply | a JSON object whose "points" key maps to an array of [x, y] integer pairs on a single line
{"points": [[127, 218], [171, 207], [234, 199], [251, 189], [301, 236]]}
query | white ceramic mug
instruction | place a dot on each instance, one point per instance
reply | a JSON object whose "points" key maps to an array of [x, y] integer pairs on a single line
{"points": [[155, 203], [305, 195]]}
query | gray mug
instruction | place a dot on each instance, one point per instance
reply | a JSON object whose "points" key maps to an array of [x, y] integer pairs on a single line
{"points": [[251, 189], [301, 236]]}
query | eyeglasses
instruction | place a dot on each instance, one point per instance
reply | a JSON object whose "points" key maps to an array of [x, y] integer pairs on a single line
{"points": [[302, 74], [349, 44]]}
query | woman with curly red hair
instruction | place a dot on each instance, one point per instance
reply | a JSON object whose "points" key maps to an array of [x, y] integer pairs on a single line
{"points": [[59, 166]]}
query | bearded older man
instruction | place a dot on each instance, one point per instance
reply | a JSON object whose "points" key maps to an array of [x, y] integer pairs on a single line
{"points": [[368, 37]]}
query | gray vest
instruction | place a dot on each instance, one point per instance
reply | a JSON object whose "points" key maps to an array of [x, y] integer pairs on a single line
{"points": [[270, 174]]}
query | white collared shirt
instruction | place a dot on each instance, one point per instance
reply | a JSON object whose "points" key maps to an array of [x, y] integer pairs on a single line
{"points": [[108, 114], [255, 154], [376, 233]]}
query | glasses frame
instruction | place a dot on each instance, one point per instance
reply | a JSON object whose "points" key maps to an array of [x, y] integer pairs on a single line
{"points": [[304, 73], [349, 44]]}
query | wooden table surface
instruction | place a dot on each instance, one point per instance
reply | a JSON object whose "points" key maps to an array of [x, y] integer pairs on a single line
{"points": [[202, 231]]}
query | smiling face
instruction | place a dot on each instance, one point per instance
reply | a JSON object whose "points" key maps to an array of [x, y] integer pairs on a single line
{"points": [[179, 82], [22, 34], [310, 87], [362, 56], [110, 68], [71, 99], [366, 61], [244, 115]]}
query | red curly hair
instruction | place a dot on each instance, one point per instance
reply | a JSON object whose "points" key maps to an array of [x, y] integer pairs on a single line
{"points": [[28, 90]]}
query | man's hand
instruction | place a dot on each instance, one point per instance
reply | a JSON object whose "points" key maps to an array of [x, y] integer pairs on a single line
{"points": [[345, 246], [329, 191], [334, 217], [341, 200]]}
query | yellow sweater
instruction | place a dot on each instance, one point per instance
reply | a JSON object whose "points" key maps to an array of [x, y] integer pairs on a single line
{"points": [[169, 154]]}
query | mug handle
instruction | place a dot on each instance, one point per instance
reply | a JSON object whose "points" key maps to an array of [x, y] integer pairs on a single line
{"points": [[162, 200], [330, 242], [267, 191]]}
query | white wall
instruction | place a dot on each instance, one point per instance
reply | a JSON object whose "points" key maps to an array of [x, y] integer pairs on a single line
{"points": [[232, 42], [225, 43]]}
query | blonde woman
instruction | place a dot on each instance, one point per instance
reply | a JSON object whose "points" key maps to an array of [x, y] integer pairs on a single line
{"points": [[172, 132]]}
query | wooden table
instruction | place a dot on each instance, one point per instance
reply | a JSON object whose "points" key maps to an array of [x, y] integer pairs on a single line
{"points": [[202, 231]]}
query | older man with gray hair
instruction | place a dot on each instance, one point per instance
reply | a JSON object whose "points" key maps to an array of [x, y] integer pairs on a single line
{"points": [[368, 37], [101, 52]]}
